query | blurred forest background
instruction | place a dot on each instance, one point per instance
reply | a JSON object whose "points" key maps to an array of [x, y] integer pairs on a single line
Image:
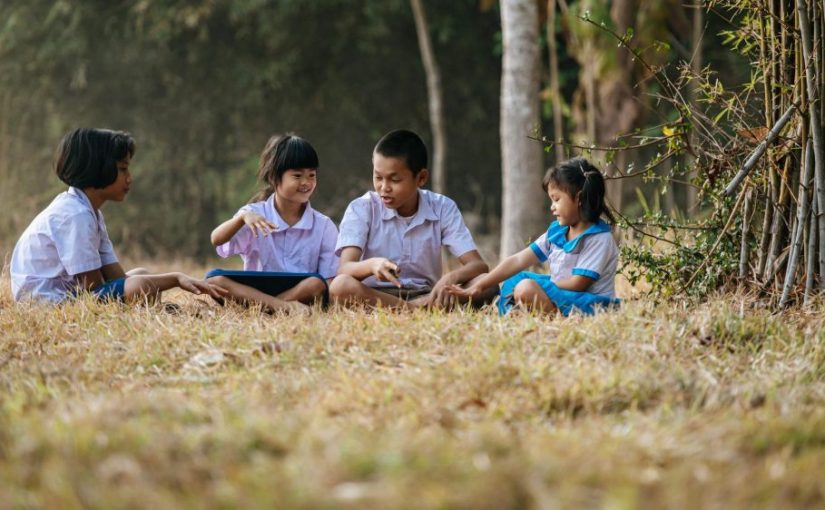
{"points": [[203, 84]]}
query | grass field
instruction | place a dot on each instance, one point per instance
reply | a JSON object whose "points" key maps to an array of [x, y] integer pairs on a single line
{"points": [[713, 405]]}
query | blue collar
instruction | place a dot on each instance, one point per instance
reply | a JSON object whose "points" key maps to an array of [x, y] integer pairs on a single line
{"points": [[557, 234]]}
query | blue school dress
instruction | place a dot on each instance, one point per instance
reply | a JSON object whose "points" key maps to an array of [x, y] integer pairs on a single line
{"points": [[593, 253]]}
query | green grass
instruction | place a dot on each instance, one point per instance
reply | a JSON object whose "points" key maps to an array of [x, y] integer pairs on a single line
{"points": [[715, 405]]}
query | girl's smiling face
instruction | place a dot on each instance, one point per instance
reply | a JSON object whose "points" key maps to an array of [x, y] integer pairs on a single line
{"points": [[564, 207], [297, 185]]}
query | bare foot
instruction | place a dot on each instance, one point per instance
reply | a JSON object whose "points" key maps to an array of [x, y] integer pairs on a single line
{"points": [[419, 302], [296, 308]]}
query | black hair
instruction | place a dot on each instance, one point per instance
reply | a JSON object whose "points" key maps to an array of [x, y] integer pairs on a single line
{"points": [[283, 153], [87, 158], [406, 145], [579, 178]]}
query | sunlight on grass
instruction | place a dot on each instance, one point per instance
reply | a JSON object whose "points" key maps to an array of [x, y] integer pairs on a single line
{"points": [[717, 404]]}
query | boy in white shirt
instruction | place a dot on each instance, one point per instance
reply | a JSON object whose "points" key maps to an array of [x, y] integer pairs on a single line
{"points": [[390, 239], [66, 249]]}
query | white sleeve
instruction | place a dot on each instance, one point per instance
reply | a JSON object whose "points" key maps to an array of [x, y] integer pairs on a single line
{"points": [[454, 232], [242, 243], [328, 260], [77, 241], [355, 225]]}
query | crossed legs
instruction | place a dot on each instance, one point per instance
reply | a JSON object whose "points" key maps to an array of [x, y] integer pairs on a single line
{"points": [[295, 299]]}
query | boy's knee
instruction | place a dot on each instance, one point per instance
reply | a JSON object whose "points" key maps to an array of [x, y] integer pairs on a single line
{"points": [[316, 286], [343, 286]]}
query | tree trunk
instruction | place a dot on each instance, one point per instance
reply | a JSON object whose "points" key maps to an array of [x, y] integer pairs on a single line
{"points": [[434, 95], [555, 91], [523, 210]]}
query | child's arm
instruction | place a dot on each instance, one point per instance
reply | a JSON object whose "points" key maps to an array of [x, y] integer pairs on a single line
{"points": [[472, 265], [576, 283], [257, 224], [383, 269], [141, 286], [505, 269], [112, 271]]}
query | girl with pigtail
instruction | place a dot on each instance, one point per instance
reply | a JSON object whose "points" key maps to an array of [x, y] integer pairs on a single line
{"points": [[288, 248], [578, 245]]}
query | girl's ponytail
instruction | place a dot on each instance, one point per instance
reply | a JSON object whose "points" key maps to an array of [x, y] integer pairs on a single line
{"points": [[593, 195]]}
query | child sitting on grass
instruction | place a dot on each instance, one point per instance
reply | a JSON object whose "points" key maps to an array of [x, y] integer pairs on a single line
{"points": [[287, 247], [66, 249], [391, 238], [578, 245]]}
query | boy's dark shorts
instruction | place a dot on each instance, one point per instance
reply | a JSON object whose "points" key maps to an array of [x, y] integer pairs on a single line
{"points": [[112, 290], [404, 293], [268, 282]]}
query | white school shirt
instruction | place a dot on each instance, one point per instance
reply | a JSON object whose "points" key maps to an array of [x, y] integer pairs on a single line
{"points": [[306, 247], [593, 253], [67, 238], [415, 247]]}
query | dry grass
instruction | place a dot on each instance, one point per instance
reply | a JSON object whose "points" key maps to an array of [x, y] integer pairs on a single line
{"points": [[716, 405]]}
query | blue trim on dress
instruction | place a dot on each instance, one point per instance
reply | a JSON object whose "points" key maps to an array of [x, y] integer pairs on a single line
{"points": [[567, 301], [585, 272], [537, 251], [557, 234]]}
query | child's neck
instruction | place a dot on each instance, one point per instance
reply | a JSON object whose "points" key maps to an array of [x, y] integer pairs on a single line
{"points": [[578, 229], [289, 211], [94, 198]]}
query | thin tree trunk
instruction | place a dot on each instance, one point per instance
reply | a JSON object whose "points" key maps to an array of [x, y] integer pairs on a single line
{"points": [[522, 214], [696, 67], [434, 95], [555, 90]]}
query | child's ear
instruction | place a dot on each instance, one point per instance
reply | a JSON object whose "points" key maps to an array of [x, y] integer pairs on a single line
{"points": [[421, 178]]}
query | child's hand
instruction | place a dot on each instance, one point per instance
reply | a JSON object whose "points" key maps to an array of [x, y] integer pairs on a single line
{"points": [[471, 292], [441, 297], [386, 271], [198, 287], [258, 224]]}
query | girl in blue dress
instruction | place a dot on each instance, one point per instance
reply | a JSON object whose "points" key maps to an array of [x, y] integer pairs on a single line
{"points": [[578, 246]]}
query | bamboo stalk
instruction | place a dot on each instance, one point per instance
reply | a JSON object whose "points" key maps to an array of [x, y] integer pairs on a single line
{"points": [[765, 239], [803, 208], [759, 151], [744, 248], [810, 260], [779, 224], [814, 115]]}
